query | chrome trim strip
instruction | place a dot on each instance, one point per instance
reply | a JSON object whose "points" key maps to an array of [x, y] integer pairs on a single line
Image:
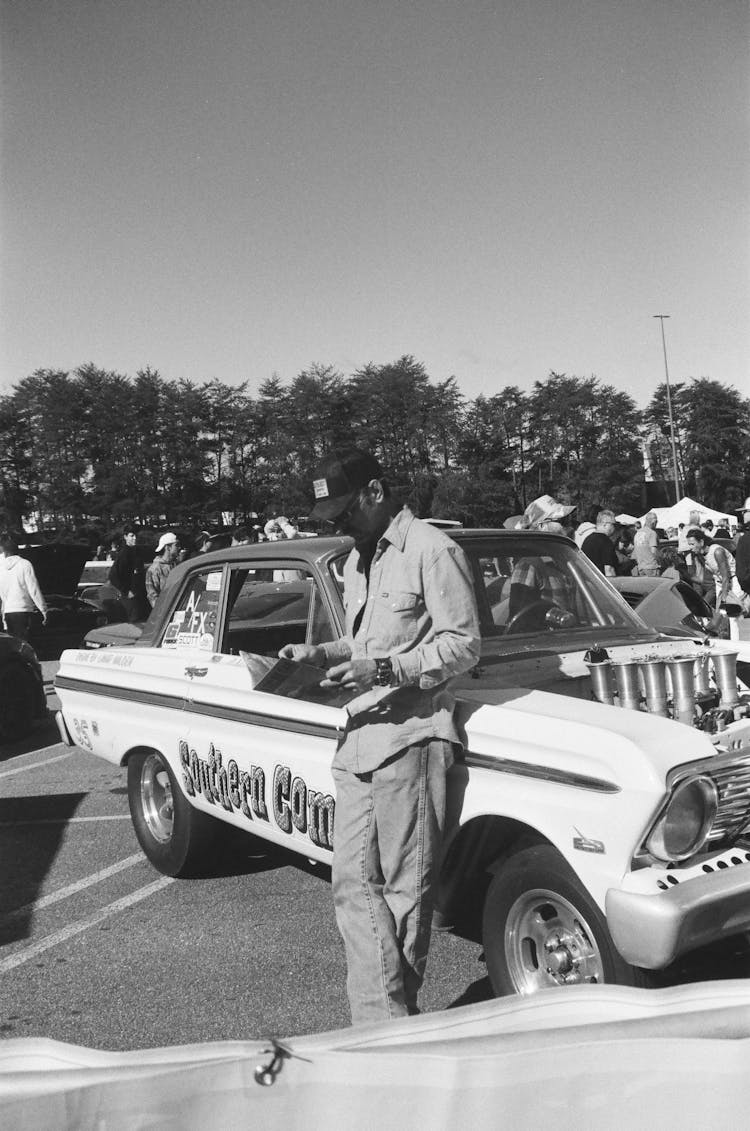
{"points": [[257, 718], [181, 703], [113, 691], [543, 773]]}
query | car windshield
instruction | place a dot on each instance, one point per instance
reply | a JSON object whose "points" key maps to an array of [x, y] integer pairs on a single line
{"points": [[538, 583]]}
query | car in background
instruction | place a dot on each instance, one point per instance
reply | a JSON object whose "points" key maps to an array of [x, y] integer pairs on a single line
{"points": [[58, 567], [22, 697], [667, 603]]}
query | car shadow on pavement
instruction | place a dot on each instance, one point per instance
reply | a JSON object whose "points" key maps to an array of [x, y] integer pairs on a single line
{"points": [[31, 831], [44, 734], [238, 853]]}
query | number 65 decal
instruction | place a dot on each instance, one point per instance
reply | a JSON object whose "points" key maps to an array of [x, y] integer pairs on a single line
{"points": [[81, 727]]}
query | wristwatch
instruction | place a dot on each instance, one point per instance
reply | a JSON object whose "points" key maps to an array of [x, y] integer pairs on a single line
{"points": [[384, 675]]}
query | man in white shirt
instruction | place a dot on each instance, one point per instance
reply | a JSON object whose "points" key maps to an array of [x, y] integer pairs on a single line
{"points": [[19, 590]]}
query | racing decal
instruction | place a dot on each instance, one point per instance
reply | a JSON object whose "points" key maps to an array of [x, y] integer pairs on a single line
{"points": [[105, 658], [294, 806], [227, 786], [586, 844], [81, 733], [194, 623]]}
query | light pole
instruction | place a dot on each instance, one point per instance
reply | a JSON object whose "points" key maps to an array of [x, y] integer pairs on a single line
{"points": [[661, 318]]}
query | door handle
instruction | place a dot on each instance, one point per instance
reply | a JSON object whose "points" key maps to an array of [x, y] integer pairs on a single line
{"points": [[196, 672]]}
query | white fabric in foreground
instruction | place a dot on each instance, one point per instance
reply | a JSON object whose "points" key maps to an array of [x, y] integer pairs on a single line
{"points": [[584, 1057]]}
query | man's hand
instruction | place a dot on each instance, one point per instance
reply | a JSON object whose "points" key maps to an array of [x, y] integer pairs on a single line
{"points": [[354, 675], [304, 654]]}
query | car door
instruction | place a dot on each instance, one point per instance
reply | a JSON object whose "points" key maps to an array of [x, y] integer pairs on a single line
{"points": [[262, 759]]}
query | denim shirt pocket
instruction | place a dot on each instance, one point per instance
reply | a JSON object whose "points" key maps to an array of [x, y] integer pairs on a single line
{"points": [[397, 616]]}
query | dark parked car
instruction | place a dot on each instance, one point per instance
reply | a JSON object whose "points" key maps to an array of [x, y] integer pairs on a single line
{"points": [[58, 568], [22, 698], [671, 605]]}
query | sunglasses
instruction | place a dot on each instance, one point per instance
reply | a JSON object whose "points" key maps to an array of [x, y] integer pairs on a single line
{"points": [[343, 518]]}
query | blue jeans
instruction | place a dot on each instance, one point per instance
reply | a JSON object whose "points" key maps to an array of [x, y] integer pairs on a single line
{"points": [[386, 860]]}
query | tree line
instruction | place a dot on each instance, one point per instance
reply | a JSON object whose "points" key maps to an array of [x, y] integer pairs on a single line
{"points": [[88, 450]]}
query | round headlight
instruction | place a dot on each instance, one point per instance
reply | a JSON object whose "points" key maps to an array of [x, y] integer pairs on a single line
{"points": [[684, 824]]}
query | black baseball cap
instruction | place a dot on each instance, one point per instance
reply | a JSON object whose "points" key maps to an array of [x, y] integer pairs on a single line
{"points": [[339, 478]]}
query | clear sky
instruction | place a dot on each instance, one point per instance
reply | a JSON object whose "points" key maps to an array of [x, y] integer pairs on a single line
{"points": [[235, 188]]}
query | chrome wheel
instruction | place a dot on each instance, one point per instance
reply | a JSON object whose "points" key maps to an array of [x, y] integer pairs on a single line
{"points": [[157, 803], [549, 943]]}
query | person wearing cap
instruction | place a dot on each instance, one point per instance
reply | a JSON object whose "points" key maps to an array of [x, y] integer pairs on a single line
{"points": [[164, 562], [545, 510], [535, 578], [411, 625]]}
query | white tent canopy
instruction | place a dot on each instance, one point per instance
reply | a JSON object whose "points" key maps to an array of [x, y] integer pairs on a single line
{"points": [[680, 512]]}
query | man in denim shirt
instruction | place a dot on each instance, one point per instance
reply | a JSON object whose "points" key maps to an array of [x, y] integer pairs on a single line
{"points": [[411, 625]]}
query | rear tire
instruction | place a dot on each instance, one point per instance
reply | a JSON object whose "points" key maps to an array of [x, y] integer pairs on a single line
{"points": [[17, 701], [541, 929], [175, 837]]}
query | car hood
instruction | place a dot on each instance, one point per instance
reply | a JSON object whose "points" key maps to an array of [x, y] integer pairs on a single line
{"points": [[57, 565]]}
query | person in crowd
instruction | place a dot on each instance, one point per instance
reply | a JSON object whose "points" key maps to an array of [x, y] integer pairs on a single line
{"points": [[623, 543], [645, 545], [598, 545], [742, 560], [588, 526], [720, 563], [274, 529], [694, 519], [534, 577], [672, 564], [241, 536], [203, 542], [126, 575], [411, 625], [165, 559], [20, 594]]}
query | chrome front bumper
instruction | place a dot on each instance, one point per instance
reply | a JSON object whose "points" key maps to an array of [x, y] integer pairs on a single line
{"points": [[651, 930]]}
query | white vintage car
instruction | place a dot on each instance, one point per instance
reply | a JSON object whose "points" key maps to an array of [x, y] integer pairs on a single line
{"points": [[600, 812]]}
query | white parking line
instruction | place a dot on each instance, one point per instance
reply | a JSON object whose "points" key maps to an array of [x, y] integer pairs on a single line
{"points": [[36, 765], [73, 929], [72, 889], [62, 820]]}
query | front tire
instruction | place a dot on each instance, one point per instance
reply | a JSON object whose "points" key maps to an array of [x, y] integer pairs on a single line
{"points": [[175, 837], [542, 930]]}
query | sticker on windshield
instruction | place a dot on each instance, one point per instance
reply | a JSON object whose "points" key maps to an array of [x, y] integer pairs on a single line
{"points": [[213, 582]]}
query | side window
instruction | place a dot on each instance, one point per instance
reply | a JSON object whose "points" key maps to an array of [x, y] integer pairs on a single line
{"points": [[266, 612], [193, 622]]}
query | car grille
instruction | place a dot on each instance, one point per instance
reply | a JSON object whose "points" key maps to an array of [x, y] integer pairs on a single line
{"points": [[733, 814]]}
